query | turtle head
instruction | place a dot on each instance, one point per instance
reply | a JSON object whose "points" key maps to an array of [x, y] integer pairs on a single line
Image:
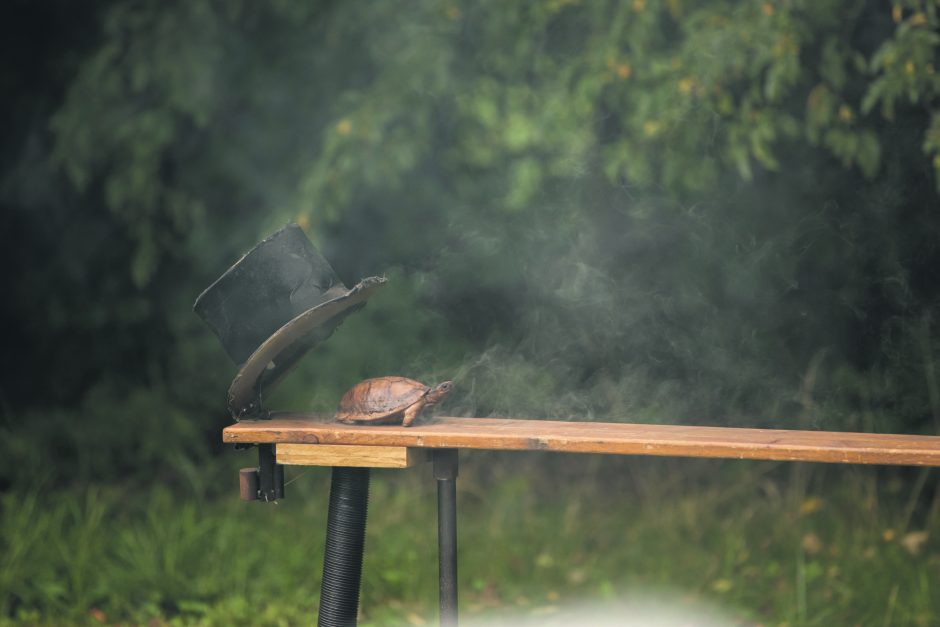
{"points": [[438, 392]]}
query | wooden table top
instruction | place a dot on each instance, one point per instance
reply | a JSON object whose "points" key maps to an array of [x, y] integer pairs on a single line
{"points": [[506, 434]]}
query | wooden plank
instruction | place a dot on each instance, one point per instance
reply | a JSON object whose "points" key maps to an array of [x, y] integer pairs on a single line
{"points": [[348, 455], [600, 437]]}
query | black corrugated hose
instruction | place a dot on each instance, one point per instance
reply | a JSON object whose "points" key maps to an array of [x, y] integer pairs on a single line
{"points": [[345, 540]]}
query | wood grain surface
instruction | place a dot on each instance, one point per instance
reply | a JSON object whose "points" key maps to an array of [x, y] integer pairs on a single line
{"points": [[349, 455], [599, 437]]}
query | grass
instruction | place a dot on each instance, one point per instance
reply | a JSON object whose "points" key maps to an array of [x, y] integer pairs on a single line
{"points": [[768, 543]]}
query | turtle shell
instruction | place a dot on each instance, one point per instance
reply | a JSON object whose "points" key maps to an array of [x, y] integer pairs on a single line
{"points": [[378, 399]]}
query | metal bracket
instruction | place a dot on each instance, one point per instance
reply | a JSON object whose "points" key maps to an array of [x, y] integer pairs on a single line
{"points": [[264, 483], [445, 471]]}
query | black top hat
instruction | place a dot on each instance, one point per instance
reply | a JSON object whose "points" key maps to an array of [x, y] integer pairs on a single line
{"points": [[277, 302]]}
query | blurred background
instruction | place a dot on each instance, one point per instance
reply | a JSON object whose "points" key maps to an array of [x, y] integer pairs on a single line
{"points": [[715, 212]]}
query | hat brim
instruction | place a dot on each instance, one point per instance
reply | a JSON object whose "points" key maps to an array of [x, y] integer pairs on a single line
{"points": [[280, 352]]}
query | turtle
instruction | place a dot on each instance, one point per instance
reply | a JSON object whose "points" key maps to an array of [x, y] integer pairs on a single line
{"points": [[388, 400]]}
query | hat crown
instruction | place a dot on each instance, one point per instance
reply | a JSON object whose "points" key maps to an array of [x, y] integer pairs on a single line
{"points": [[276, 281]]}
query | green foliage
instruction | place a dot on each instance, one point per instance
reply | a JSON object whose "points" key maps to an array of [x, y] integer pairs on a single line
{"points": [[823, 546], [650, 210], [664, 94]]}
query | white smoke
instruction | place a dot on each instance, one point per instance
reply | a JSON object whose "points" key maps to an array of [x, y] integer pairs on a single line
{"points": [[648, 611]]}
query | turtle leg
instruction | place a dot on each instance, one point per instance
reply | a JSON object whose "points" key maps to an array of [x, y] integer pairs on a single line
{"points": [[411, 413]]}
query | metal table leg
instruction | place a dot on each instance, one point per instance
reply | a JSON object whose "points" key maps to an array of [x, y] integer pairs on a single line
{"points": [[345, 540], [445, 471]]}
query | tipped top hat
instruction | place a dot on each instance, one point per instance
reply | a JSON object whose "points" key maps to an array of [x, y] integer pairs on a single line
{"points": [[273, 305]]}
